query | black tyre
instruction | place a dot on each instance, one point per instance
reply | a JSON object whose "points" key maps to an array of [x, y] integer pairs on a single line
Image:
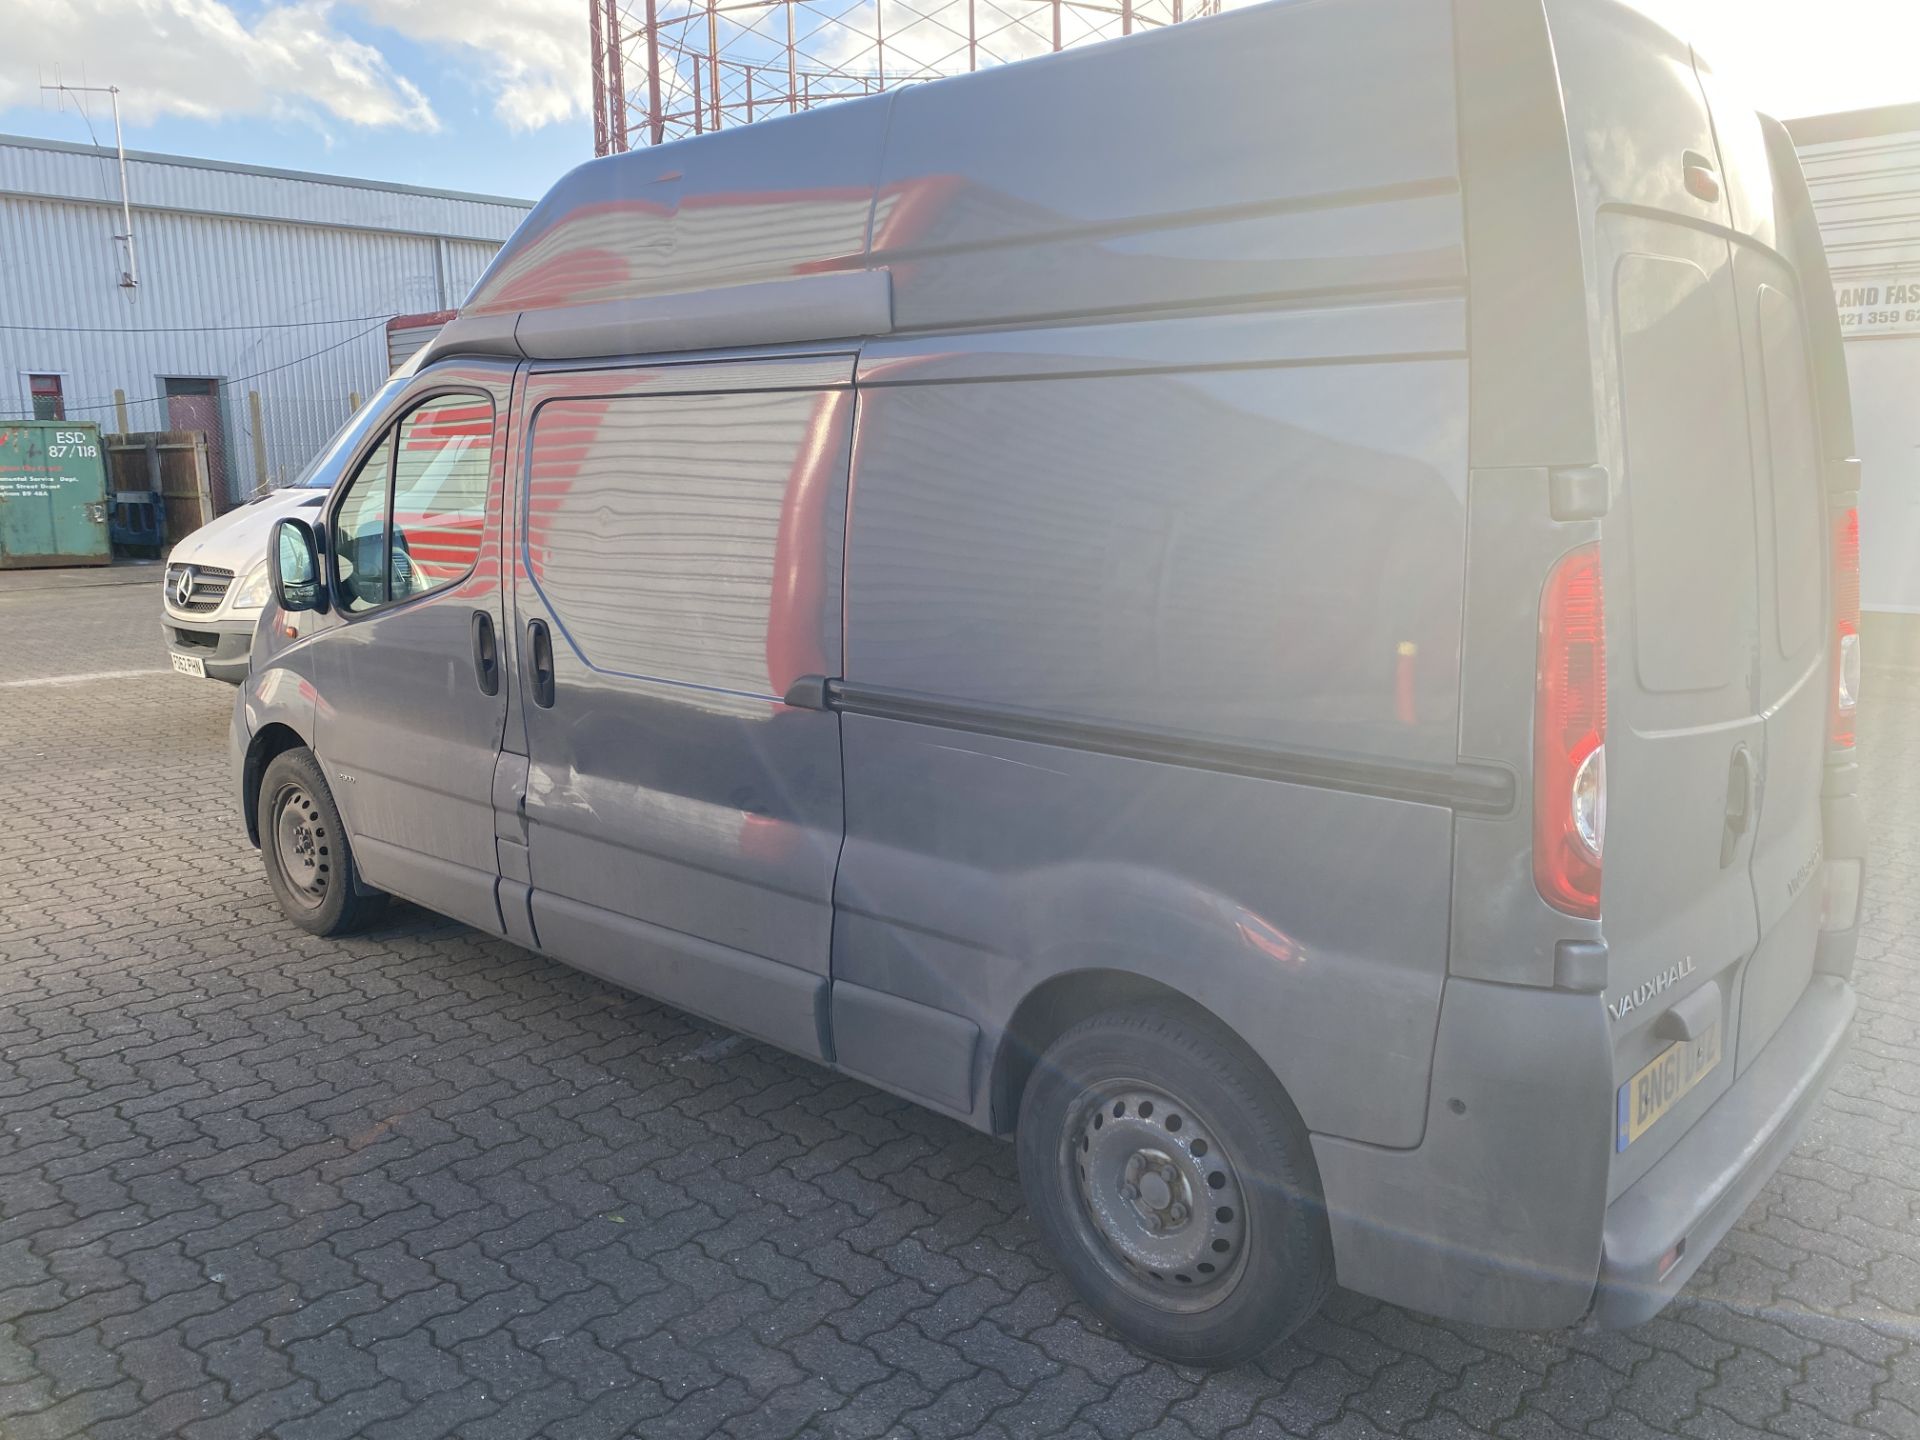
{"points": [[1175, 1183], [309, 862]]}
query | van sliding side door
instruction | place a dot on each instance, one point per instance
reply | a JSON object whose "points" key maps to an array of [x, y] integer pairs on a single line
{"points": [[677, 580]]}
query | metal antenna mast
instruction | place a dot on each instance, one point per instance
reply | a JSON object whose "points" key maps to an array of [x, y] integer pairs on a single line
{"points": [[130, 277]]}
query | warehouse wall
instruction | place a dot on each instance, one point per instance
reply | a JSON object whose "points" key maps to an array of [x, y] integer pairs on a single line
{"points": [[1863, 170], [269, 282]]}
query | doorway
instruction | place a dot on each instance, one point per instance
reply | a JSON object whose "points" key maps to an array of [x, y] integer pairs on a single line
{"points": [[194, 404]]}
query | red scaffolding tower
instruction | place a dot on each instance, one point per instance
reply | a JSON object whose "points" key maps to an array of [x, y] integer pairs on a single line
{"points": [[702, 65]]}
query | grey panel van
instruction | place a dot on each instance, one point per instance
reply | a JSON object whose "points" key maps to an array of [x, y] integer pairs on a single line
{"points": [[1295, 655]]}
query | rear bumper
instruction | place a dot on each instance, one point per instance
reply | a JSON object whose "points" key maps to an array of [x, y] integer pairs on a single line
{"points": [[1500, 1218], [1693, 1196], [1844, 822], [221, 645]]}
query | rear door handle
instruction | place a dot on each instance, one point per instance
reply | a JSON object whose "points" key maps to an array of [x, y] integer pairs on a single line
{"points": [[1698, 173], [1741, 800], [486, 654], [541, 643]]}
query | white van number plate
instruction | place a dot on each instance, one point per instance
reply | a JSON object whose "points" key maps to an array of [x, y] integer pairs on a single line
{"points": [[1663, 1082], [190, 665]]}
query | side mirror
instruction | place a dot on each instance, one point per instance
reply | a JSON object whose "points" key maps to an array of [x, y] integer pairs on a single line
{"points": [[294, 564]]}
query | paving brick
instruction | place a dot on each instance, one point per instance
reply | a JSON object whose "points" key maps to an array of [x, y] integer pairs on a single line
{"points": [[419, 1183]]}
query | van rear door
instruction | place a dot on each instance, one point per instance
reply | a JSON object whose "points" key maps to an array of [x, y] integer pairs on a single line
{"points": [[1685, 737], [1685, 741], [1792, 663], [1715, 560]]}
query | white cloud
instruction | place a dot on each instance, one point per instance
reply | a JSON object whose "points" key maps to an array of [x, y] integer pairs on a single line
{"points": [[200, 58], [209, 58], [531, 54], [296, 59], [1804, 57]]}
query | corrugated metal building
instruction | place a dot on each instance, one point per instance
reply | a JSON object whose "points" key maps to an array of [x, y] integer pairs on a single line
{"points": [[253, 282], [1863, 168]]}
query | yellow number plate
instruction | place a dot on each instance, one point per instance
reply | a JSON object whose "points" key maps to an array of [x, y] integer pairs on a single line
{"points": [[1663, 1082]]}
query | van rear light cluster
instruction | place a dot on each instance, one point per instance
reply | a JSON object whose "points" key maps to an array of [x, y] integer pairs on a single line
{"points": [[1846, 624], [1570, 737]]}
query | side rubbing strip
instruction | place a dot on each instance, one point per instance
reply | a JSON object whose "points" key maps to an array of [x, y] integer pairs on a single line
{"points": [[911, 1047], [1475, 789]]}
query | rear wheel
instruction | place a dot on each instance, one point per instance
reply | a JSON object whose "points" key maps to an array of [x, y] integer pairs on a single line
{"points": [[1173, 1179], [309, 862]]}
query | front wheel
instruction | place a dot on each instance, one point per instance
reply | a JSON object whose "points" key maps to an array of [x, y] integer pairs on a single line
{"points": [[309, 862], [1174, 1181]]}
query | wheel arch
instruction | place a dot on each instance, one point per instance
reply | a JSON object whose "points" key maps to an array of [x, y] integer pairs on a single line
{"points": [[270, 740], [1062, 1001]]}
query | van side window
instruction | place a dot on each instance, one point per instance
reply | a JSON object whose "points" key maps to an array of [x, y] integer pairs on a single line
{"points": [[692, 538], [360, 533], [420, 501]]}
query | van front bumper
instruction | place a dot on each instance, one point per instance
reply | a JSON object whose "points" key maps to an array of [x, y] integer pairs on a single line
{"points": [[239, 746], [221, 645], [1693, 1196]]}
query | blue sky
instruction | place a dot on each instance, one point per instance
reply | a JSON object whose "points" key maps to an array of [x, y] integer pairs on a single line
{"points": [[491, 95], [473, 152], [486, 95]]}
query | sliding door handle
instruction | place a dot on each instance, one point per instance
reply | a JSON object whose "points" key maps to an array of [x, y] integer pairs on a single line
{"points": [[486, 654], [540, 642]]}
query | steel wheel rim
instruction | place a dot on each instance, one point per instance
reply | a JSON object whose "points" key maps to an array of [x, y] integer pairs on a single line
{"points": [[1158, 1195], [302, 846]]}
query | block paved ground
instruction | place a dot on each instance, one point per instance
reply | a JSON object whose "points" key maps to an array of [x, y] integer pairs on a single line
{"points": [[422, 1183]]}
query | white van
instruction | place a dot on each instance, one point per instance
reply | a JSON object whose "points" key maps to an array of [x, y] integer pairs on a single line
{"points": [[216, 582], [216, 579]]}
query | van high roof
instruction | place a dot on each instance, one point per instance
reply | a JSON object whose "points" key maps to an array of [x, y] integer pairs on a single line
{"points": [[1010, 194]]}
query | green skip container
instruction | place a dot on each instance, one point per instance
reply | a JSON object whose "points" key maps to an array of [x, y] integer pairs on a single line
{"points": [[53, 495]]}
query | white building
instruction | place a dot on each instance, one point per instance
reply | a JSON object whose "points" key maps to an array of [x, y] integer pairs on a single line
{"points": [[261, 311], [1863, 168]]}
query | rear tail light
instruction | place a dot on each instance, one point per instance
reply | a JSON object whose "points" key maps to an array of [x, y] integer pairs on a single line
{"points": [[1570, 737], [1846, 624]]}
